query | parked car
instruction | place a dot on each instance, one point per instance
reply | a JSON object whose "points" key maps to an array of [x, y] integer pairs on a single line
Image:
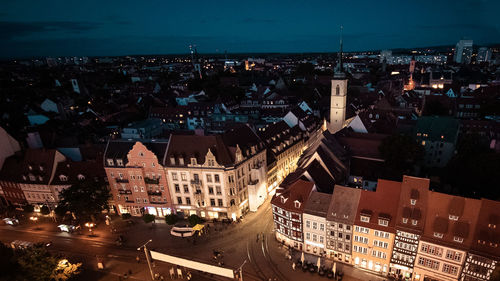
{"points": [[11, 221], [68, 228]]}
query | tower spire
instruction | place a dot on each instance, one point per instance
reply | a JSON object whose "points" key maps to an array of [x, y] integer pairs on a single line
{"points": [[339, 70]]}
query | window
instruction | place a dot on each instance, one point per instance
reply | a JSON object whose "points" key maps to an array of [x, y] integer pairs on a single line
{"points": [[347, 237], [453, 218], [340, 226], [111, 162], [119, 162], [414, 222], [212, 202], [216, 178], [174, 176], [337, 90], [188, 201], [210, 190], [340, 234], [218, 190], [219, 201], [172, 160], [308, 236], [413, 201], [315, 238], [315, 225], [177, 188], [405, 220], [209, 178], [348, 227], [145, 200], [365, 219], [179, 200], [186, 188], [322, 227], [136, 189], [383, 222], [183, 177], [438, 235], [308, 224]]}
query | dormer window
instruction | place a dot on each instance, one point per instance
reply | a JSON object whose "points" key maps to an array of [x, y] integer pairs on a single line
{"points": [[111, 162], [41, 168], [414, 222], [283, 199], [297, 204], [32, 178], [383, 222], [405, 220], [193, 161], [438, 235], [24, 177], [30, 167], [453, 218], [181, 161], [40, 178], [172, 160], [63, 178], [346, 216], [364, 218], [458, 239], [490, 225], [413, 201], [119, 162], [141, 154], [81, 177]]}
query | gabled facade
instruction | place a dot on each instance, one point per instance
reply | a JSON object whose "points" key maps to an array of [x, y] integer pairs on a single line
{"points": [[374, 227], [137, 178], [484, 254], [448, 234], [410, 222], [314, 219], [221, 176], [340, 223], [288, 207]]}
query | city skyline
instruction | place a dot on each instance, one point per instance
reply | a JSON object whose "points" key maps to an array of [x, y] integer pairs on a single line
{"points": [[31, 29]]}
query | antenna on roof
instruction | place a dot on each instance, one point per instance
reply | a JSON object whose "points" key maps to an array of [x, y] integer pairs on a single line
{"points": [[340, 53]]}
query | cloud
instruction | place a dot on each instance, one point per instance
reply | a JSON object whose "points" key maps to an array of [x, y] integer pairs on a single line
{"points": [[11, 29]]}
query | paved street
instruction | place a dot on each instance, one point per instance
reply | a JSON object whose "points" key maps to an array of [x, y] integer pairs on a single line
{"points": [[250, 242]]}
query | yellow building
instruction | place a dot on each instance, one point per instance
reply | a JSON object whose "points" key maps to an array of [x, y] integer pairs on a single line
{"points": [[374, 227]]}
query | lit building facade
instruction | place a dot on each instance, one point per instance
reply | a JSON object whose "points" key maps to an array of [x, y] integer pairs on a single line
{"points": [[409, 226], [314, 218], [137, 179], [288, 207], [340, 223], [222, 176], [374, 227], [448, 232]]}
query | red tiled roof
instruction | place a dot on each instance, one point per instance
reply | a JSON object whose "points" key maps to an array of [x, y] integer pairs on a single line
{"points": [[381, 203], [487, 231], [298, 191]]}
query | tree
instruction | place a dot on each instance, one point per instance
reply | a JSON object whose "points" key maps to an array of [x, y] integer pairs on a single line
{"points": [[29, 208], [194, 220], [495, 275], [8, 264], [400, 153], [85, 199], [60, 210], [171, 219], [148, 218], [45, 210]]}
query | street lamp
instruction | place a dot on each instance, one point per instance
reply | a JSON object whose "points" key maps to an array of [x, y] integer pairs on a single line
{"points": [[90, 225], [147, 257]]}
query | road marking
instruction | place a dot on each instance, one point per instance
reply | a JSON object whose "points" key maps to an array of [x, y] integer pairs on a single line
{"points": [[112, 256], [248, 253]]}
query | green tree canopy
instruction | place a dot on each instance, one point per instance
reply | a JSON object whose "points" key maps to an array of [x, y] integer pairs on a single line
{"points": [[85, 199], [45, 210], [171, 219], [400, 153], [148, 218], [194, 220]]}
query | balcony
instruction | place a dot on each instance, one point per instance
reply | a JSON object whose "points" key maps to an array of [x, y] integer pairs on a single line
{"points": [[196, 182], [154, 192], [151, 181], [125, 191], [119, 180]]}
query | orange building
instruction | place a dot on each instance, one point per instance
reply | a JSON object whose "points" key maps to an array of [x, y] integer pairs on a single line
{"points": [[374, 227], [136, 178]]}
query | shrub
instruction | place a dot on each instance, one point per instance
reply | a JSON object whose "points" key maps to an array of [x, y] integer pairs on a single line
{"points": [[126, 216], [148, 218], [171, 219], [45, 210], [194, 220]]}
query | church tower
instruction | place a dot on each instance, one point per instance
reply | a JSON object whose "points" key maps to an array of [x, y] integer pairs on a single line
{"points": [[338, 98]]}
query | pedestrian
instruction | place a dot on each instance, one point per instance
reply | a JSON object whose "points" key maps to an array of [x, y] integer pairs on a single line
{"points": [[137, 259], [293, 266]]}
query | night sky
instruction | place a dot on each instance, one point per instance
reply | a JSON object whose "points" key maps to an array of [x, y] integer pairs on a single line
{"points": [[110, 27]]}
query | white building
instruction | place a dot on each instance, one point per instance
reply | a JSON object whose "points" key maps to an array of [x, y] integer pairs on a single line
{"points": [[314, 218]]}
